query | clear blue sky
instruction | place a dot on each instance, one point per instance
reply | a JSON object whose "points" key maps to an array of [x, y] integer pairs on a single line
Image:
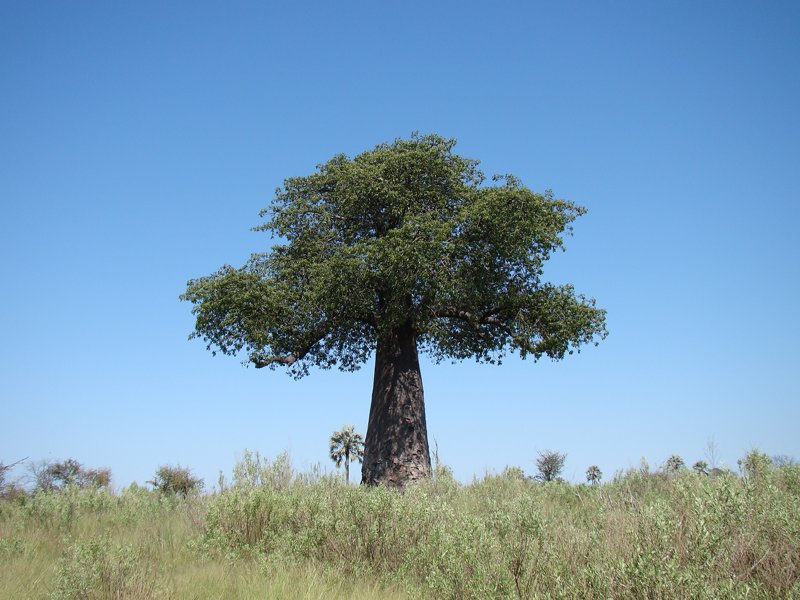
{"points": [[138, 141]]}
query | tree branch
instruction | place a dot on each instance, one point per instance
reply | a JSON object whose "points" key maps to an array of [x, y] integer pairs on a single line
{"points": [[489, 317], [4, 468], [288, 359]]}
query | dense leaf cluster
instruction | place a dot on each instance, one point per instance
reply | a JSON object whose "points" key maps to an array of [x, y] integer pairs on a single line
{"points": [[406, 235]]}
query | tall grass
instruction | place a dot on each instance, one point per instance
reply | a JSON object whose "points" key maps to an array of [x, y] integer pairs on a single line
{"points": [[274, 534]]}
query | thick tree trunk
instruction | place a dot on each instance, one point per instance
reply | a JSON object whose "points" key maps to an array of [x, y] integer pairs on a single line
{"points": [[396, 449]]}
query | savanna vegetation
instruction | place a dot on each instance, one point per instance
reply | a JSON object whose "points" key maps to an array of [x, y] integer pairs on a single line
{"points": [[270, 532]]}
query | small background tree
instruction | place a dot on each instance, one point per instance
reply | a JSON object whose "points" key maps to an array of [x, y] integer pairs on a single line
{"points": [[783, 460], [700, 467], [594, 474], [346, 445], [53, 476], [549, 465], [10, 489], [176, 481], [674, 464]]}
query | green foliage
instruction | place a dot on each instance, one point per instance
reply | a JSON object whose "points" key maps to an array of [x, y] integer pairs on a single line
{"points": [[142, 544], [96, 569], [549, 465], [594, 474], [407, 233], [513, 473], [700, 467], [176, 480], [755, 464], [644, 535], [254, 470]]}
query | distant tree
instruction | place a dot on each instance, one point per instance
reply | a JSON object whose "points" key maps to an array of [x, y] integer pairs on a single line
{"points": [[674, 464], [593, 474], [52, 476], [700, 467], [783, 460], [9, 489], [346, 445], [549, 465], [712, 453], [402, 248], [176, 480], [96, 477]]}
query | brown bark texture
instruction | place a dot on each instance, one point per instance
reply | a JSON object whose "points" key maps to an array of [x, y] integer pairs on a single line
{"points": [[396, 449]]}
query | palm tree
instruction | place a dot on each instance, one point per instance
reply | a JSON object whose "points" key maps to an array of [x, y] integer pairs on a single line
{"points": [[346, 445], [674, 464], [593, 474]]}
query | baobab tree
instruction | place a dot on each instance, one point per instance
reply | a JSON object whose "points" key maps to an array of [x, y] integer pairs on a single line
{"points": [[346, 445], [404, 248]]}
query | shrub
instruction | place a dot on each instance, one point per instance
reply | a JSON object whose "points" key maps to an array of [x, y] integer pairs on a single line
{"points": [[254, 470], [513, 473], [95, 569], [755, 464]]}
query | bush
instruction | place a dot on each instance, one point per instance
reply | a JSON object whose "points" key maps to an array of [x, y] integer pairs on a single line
{"points": [[755, 464], [95, 569], [643, 535], [255, 470]]}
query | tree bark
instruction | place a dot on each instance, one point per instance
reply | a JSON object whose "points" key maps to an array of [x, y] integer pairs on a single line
{"points": [[396, 448]]}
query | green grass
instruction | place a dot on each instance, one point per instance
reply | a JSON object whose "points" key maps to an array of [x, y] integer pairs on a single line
{"points": [[642, 536], [86, 544]]}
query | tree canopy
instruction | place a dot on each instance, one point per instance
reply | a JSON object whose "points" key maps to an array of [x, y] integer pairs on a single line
{"points": [[409, 233]]}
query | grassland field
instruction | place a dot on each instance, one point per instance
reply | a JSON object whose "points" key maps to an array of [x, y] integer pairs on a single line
{"points": [[274, 533]]}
